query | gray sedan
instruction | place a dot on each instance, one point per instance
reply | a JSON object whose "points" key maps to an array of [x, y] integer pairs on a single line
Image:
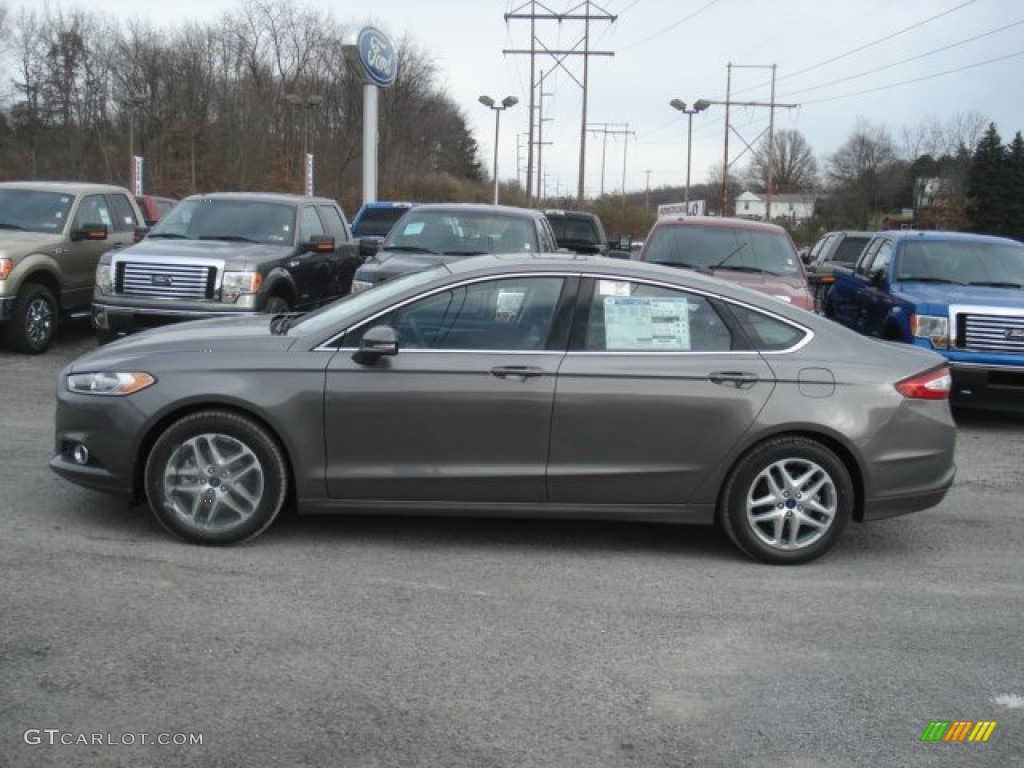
{"points": [[561, 386]]}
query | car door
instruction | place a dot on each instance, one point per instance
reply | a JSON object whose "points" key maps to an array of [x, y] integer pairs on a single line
{"points": [[654, 392], [463, 412], [79, 257], [876, 299], [846, 297], [309, 269]]}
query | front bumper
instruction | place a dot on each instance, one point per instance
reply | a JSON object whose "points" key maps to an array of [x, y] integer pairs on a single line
{"points": [[989, 387], [118, 319]]}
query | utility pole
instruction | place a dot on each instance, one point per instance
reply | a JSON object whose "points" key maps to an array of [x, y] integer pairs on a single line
{"points": [[647, 191], [771, 104], [580, 12], [540, 131], [605, 130]]}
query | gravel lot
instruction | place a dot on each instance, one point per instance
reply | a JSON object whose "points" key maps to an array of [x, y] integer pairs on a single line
{"points": [[440, 643]]}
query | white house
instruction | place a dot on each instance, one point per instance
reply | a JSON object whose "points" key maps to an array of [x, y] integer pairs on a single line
{"points": [[795, 207]]}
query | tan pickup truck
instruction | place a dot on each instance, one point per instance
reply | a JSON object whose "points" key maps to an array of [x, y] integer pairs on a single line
{"points": [[52, 234]]}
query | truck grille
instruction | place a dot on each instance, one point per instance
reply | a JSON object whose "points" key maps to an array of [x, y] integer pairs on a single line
{"points": [[990, 333], [165, 281]]}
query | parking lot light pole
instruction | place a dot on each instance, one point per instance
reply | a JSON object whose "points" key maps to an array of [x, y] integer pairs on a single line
{"points": [[487, 101], [698, 106], [307, 104], [132, 102]]}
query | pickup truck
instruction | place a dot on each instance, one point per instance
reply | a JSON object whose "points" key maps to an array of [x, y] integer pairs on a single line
{"points": [[51, 237], [959, 294], [227, 254]]}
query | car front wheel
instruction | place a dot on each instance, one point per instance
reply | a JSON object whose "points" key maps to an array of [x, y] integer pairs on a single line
{"points": [[34, 323], [787, 501], [216, 478]]}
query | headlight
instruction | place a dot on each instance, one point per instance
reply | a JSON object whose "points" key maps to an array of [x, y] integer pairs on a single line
{"points": [[105, 278], [236, 284], [105, 383], [358, 286], [931, 327]]}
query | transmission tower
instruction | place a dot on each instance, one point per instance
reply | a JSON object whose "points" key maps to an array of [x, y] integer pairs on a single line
{"points": [[581, 12]]}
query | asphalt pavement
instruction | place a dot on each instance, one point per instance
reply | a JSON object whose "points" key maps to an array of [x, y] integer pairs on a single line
{"points": [[441, 643]]}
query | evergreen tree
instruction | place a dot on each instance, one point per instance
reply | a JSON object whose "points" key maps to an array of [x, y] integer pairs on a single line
{"points": [[987, 191], [1015, 183]]}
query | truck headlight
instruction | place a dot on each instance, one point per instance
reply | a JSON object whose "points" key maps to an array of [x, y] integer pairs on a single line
{"points": [[105, 278], [236, 284], [933, 328], [6, 267]]}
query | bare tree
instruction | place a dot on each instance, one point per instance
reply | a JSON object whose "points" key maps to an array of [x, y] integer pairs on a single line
{"points": [[866, 174], [794, 168]]}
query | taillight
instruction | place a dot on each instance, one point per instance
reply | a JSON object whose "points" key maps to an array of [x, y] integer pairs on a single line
{"points": [[934, 385]]}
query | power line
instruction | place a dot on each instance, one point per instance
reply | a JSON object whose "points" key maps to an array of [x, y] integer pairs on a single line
{"points": [[910, 59], [918, 79], [669, 28], [865, 46]]}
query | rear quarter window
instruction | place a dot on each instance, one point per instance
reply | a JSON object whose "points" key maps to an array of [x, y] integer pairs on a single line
{"points": [[767, 333]]}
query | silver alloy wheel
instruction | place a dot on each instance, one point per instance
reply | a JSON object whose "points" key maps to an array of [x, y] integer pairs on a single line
{"points": [[38, 321], [213, 481], [792, 504]]}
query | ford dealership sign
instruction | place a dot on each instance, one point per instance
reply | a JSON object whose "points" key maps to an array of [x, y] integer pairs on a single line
{"points": [[377, 57]]}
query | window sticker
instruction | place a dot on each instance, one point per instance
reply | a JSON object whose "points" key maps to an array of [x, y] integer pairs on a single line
{"points": [[105, 217], [642, 324], [413, 228], [613, 288], [509, 303]]}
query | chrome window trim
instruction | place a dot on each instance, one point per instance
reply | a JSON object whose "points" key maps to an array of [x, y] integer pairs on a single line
{"points": [[808, 336]]}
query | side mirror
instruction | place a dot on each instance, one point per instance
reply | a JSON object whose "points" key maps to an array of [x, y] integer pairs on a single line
{"points": [[140, 233], [368, 246], [89, 232], [877, 277], [379, 341], [319, 243]]}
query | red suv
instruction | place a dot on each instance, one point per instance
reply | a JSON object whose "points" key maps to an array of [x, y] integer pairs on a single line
{"points": [[154, 208], [751, 253]]}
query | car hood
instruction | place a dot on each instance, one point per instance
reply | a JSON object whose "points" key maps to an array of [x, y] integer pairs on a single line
{"points": [[776, 285], [208, 249], [13, 238], [202, 340], [943, 294], [388, 264]]}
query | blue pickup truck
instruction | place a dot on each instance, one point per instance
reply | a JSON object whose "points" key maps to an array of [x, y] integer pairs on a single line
{"points": [[959, 294]]}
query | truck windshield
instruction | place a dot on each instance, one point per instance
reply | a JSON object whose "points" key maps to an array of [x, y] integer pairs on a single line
{"points": [[255, 221], [34, 211], [962, 262], [724, 247]]}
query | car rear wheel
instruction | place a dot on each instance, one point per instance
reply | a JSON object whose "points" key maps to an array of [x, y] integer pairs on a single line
{"points": [[216, 478], [787, 501], [33, 324]]}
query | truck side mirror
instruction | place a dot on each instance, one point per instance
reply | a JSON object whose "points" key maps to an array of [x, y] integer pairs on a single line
{"points": [[89, 231]]}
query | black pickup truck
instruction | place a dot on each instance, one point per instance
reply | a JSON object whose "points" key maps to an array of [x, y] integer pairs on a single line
{"points": [[224, 254]]}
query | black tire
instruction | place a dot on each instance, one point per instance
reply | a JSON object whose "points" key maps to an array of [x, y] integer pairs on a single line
{"points": [[808, 523], [33, 324], [216, 478], [276, 305]]}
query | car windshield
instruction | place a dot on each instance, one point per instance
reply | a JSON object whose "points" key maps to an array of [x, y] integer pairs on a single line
{"points": [[257, 221], [340, 313], [463, 232], [377, 222], [34, 211], [850, 249], [574, 231], [702, 247], [963, 262]]}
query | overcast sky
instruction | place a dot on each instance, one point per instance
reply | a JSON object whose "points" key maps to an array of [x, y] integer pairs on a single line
{"points": [[894, 64]]}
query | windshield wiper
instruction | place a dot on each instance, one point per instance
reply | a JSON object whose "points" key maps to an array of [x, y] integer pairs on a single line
{"points": [[465, 253], [168, 235], [406, 248], [739, 248], [5, 225], [280, 324], [916, 279], [746, 268], [229, 238], [996, 284], [683, 264]]}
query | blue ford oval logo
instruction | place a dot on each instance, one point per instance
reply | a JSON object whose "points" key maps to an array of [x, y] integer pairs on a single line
{"points": [[378, 57]]}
